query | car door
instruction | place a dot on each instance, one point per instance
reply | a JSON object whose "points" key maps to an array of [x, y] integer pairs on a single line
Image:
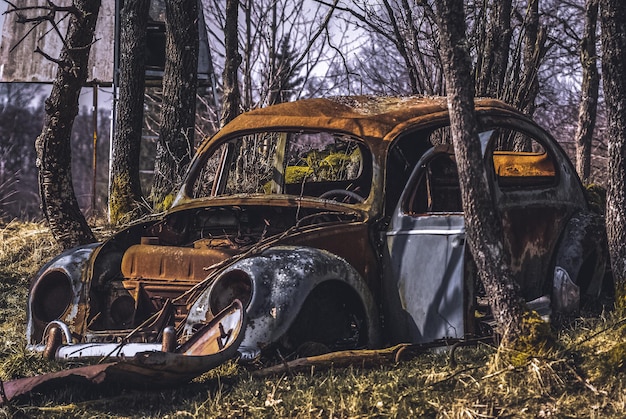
{"points": [[424, 252]]}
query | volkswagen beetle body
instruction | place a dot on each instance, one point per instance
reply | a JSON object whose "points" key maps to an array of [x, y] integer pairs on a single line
{"points": [[336, 222]]}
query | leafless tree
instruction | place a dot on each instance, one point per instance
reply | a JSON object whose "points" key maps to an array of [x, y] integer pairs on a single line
{"points": [[589, 92], [125, 196], [232, 97], [281, 44], [613, 22], [493, 36], [58, 200], [410, 30], [484, 235]]}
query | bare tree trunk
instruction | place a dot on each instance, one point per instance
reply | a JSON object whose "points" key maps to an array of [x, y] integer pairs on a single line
{"points": [[58, 200], [232, 97], [613, 21], [534, 51], [495, 56], [180, 80], [589, 92], [247, 79], [125, 194], [400, 42], [484, 235]]}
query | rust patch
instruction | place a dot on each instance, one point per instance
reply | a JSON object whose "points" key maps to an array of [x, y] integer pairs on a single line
{"points": [[211, 346]]}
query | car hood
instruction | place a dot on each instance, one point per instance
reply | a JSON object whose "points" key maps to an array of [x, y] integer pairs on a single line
{"points": [[262, 200]]}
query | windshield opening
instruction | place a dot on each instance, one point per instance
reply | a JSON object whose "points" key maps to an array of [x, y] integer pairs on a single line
{"points": [[316, 164]]}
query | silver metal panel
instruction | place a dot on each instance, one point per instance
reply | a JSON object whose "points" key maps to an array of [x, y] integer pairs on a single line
{"points": [[424, 274], [423, 260]]}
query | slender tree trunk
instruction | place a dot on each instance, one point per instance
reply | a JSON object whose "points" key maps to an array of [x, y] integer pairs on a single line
{"points": [[232, 97], [58, 200], [613, 21], [178, 111], [495, 56], [589, 92], [125, 194], [423, 76], [247, 67], [534, 51], [400, 41], [484, 235]]}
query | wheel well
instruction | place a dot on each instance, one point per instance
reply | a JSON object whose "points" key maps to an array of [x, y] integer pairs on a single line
{"points": [[586, 272], [332, 315], [582, 252]]}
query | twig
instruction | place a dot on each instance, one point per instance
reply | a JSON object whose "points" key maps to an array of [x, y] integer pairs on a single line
{"points": [[451, 376], [588, 338], [3, 394], [48, 57], [584, 382]]}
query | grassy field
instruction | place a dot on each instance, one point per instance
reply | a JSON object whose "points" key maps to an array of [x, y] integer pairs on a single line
{"points": [[584, 377]]}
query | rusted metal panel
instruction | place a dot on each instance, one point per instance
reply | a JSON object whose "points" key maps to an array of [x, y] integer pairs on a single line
{"points": [[282, 278], [67, 267], [171, 263], [368, 117], [142, 365], [20, 63], [350, 240], [531, 233]]}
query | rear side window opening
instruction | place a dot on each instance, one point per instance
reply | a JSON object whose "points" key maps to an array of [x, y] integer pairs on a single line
{"points": [[517, 160]]}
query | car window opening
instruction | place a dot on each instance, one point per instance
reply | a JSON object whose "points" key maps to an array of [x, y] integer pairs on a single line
{"points": [[438, 189], [314, 164], [520, 161]]}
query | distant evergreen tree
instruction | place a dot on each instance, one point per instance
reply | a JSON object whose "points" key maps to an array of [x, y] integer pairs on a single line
{"points": [[283, 79]]}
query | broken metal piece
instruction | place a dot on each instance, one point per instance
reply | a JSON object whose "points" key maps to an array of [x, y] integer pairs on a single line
{"points": [[169, 339], [150, 368], [53, 342], [566, 293]]}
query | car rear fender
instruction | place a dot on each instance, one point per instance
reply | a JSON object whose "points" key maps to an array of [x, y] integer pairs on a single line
{"points": [[580, 261]]}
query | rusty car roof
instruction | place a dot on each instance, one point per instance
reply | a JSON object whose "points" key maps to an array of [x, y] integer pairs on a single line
{"points": [[363, 116]]}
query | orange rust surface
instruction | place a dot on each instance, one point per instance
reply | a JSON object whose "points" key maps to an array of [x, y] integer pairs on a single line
{"points": [[145, 261], [520, 164], [363, 116]]}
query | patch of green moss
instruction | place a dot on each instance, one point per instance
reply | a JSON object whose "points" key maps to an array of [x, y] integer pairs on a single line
{"points": [[123, 206], [335, 159], [296, 174], [620, 297], [120, 199], [166, 203], [535, 340], [596, 197]]}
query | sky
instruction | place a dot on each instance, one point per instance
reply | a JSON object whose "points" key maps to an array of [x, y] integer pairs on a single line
{"points": [[3, 8]]}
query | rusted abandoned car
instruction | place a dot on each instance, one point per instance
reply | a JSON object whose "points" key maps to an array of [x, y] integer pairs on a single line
{"points": [[335, 222]]}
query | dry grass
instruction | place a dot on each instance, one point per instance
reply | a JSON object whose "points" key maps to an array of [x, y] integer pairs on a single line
{"points": [[585, 377]]}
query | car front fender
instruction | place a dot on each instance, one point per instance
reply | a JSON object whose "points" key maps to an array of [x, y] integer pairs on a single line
{"points": [[281, 279], [56, 292]]}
